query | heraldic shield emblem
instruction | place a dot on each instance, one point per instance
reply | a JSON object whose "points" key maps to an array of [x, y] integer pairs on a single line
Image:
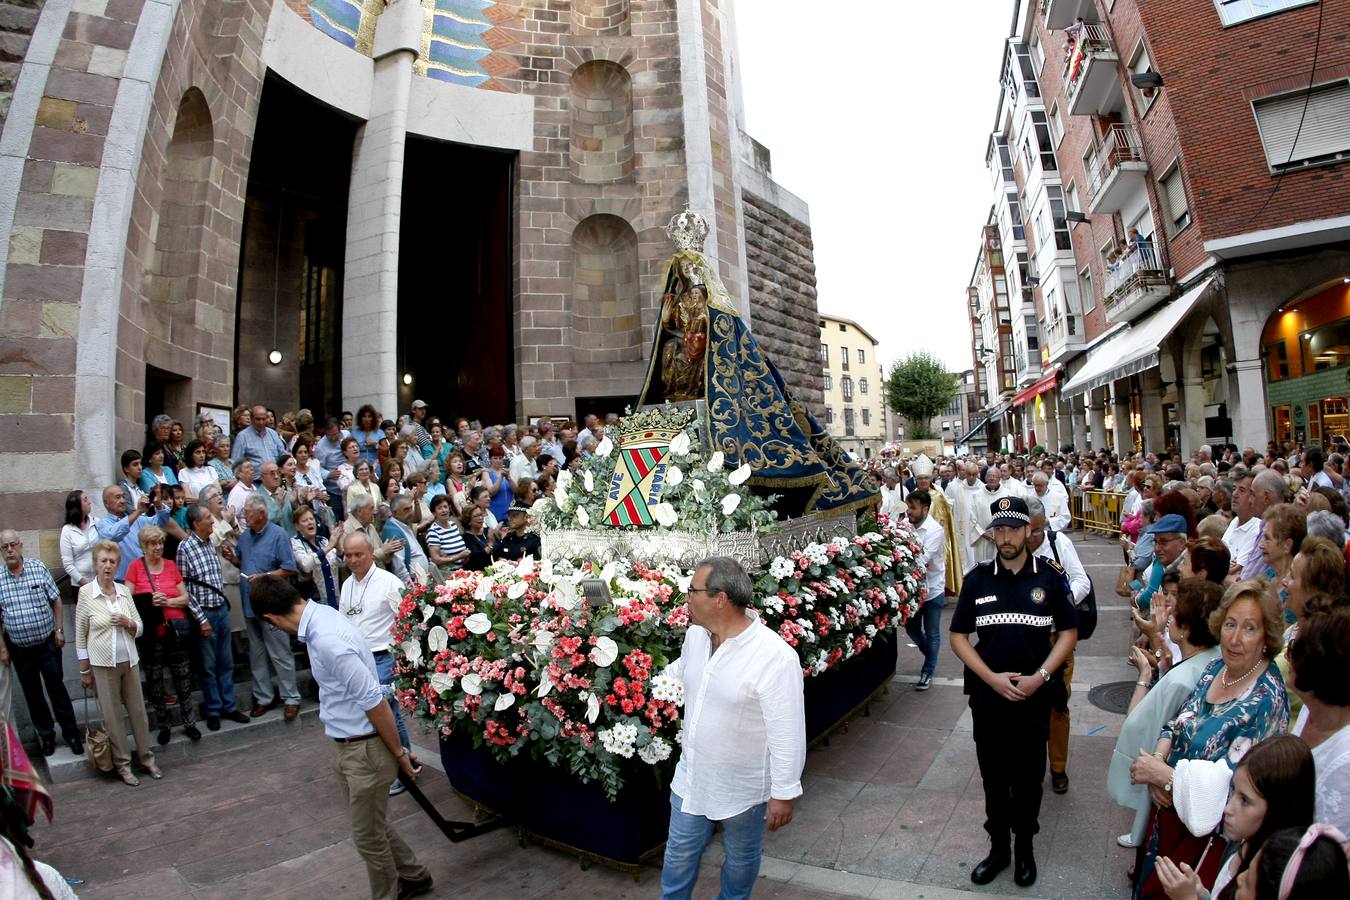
{"points": [[639, 476]]}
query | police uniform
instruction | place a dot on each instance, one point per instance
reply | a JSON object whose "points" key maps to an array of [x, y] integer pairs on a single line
{"points": [[1012, 615]]}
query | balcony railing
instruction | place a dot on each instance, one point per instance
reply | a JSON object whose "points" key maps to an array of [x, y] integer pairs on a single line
{"points": [[1138, 272], [1091, 83], [1121, 146]]}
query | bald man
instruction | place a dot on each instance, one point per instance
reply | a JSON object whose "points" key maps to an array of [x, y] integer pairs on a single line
{"points": [[122, 527]]}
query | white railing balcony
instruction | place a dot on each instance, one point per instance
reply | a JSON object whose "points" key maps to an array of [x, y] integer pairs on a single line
{"points": [[1116, 171], [1135, 283], [1091, 80], [1060, 14]]}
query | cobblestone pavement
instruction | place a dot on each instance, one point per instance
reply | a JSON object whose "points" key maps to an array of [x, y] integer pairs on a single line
{"points": [[892, 809]]}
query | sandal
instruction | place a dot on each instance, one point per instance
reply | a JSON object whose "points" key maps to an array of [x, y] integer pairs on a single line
{"points": [[128, 778], [153, 770]]}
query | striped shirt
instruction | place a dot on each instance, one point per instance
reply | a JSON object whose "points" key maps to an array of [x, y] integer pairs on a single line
{"points": [[448, 540]]}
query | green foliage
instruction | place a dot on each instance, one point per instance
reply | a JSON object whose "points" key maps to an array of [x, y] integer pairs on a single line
{"points": [[919, 387]]}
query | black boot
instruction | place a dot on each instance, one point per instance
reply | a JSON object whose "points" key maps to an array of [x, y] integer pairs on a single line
{"points": [[997, 860], [1024, 868]]}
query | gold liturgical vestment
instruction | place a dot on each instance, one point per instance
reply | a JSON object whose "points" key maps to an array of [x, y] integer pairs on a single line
{"points": [[942, 511]]}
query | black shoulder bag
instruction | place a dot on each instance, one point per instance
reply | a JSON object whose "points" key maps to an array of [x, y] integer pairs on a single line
{"points": [[1087, 607]]}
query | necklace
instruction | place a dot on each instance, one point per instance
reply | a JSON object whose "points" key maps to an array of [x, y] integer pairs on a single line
{"points": [[1223, 676], [356, 608]]}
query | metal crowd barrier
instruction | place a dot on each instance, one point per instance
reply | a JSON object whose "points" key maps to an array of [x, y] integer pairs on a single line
{"points": [[1096, 510]]}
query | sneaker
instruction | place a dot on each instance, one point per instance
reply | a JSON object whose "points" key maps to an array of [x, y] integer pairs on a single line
{"points": [[396, 788], [925, 682], [1127, 840]]}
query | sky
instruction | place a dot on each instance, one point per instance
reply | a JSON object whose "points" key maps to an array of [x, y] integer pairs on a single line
{"points": [[877, 113]]}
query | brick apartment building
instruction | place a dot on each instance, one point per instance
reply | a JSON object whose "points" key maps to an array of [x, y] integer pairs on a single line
{"points": [[1172, 201]]}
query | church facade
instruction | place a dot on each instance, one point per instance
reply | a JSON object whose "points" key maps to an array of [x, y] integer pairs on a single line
{"points": [[325, 203]]}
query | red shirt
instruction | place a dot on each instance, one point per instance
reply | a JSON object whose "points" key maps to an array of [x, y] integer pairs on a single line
{"points": [[142, 581]]}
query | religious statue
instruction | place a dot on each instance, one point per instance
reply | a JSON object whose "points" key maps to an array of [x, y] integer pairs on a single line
{"points": [[684, 324]]}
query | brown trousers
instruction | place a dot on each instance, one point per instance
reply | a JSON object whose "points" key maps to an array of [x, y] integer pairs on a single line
{"points": [[1059, 724], [365, 770], [118, 686]]}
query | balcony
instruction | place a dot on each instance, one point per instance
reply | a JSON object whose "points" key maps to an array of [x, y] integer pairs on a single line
{"points": [[1064, 338], [1116, 171], [1135, 283], [1091, 80], [1060, 14]]}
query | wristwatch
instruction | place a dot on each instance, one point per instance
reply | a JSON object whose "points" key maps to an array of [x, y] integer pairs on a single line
{"points": [[402, 752], [1044, 674]]}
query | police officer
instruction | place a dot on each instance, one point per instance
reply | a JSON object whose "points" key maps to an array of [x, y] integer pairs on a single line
{"points": [[1013, 603]]}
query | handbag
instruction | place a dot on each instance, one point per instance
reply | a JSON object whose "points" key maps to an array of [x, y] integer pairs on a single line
{"points": [[1087, 607], [96, 742], [1124, 578]]}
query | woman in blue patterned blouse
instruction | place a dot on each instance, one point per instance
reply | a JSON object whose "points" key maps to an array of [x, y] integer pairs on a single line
{"points": [[1239, 701]]}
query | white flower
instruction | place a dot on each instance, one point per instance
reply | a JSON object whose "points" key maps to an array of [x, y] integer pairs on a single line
{"points": [[781, 568], [619, 740], [741, 475], [546, 570], [412, 652], [697, 485], [441, 682], [545, 686], [674, 477], [437, 639], [605, 447], [583, 517], [484, 589], [684, 581], [472, 684], [668, 689], [665, 514], [504, 701], [592, 707], [679, 445], [588, 481], [561, 484], [478, 623], [609, 571], [543, 639], [518, 589], [729, 503], [525, 566], [716, 462], [427, 612], [658, 750], [604, 652], [564, 595]]}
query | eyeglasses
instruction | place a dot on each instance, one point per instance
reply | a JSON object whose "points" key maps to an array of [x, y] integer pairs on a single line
{"points": [[694, 590]]}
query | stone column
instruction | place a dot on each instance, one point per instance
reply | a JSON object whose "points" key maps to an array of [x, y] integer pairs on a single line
{"points": [[1096, 404], [1077, 421], [1050, 401], [1247, 404], [374, 208], [1151, 411], [1191, 392], [1120, 409]]}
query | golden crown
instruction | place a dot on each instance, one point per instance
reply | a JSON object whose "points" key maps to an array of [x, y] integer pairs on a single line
{"points": [[687, 230]]}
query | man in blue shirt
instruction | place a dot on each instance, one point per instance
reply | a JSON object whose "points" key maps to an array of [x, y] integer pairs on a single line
{"points": [[355, 715], [123, 526], [259, 444], [264, 548]]}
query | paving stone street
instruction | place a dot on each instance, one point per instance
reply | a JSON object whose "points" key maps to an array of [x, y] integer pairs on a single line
{"points": [[892, 808]]}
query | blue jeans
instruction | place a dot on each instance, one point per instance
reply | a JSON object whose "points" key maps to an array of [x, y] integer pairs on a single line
{"points": [[217, 665], [384, 667], [925, 630], [742, 841]]}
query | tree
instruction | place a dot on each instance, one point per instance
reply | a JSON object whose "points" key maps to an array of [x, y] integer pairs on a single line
{"points": [[919, 388]]}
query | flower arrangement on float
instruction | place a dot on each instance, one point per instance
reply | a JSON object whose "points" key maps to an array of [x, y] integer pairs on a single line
{"points": [[515, 658]]}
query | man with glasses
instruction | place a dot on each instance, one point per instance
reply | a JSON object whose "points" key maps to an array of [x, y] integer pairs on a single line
{"points": [[744, 740], [1169, 544], [258, 444], [30, 610], [1012, 603], [368, 599], [1046, 543]]}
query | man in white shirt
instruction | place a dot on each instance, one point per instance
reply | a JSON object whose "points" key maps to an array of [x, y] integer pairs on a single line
{"points": [[744, 741], [356, 716], [368, 599], [892, 495], [243, 487], [962, 494], [1056, 503], [925, 626], [982, 501], [1243, 530], [524, 465]]}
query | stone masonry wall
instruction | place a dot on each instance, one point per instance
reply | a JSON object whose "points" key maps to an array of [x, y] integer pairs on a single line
{"points": [[18, 18], [782, 273]]}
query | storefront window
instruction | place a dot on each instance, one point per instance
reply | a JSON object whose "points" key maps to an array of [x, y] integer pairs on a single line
{"points": [[1279, 361], [1327, 346], [1284, 425], [1336, 417]]}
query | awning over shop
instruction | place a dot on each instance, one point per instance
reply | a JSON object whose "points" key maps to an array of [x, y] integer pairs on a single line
{"points": [[1046, 383], [1134, 349], [979, 426]]}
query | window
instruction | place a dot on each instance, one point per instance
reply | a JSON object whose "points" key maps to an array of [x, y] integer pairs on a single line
{"points": [[1044, 141], [1028, 70], [1056, 125], [1085, 292], [848, 421], [1005, 160], [1052, 310], [843, 356], [843, 327], [1037, 52], [846, 385], [1279, 361], [1071, 197], [825, 353], [867, 416], [862, 356], [1139, 64], [1061, 224], [1019, 232], [829, 415], [1305, 128], [829, 383], [1231, 12], [1174, 199]]}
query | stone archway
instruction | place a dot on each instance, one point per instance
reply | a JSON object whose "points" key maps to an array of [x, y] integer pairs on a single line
{"points": [[1202, 384], [606, 321]]}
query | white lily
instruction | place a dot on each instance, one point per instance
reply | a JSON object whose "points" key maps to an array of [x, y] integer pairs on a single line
{"points": [[543, 639], [592, 707], [472, 684], [427, 612], [609, 571], [546, 570], [525, 566], [697, 485], [741, 475], [438, 639], [478, 623], [684, 581], [517, 590], [441, 682], [679, 445], [583, 517], [588, 481], [545, 687], [412, 652], [484, 589], [504, 701], [674, 476], [604, 652], [665, 514], [565, 595], [562, 483], [605, 447], [716, 461], [729, 503]]}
